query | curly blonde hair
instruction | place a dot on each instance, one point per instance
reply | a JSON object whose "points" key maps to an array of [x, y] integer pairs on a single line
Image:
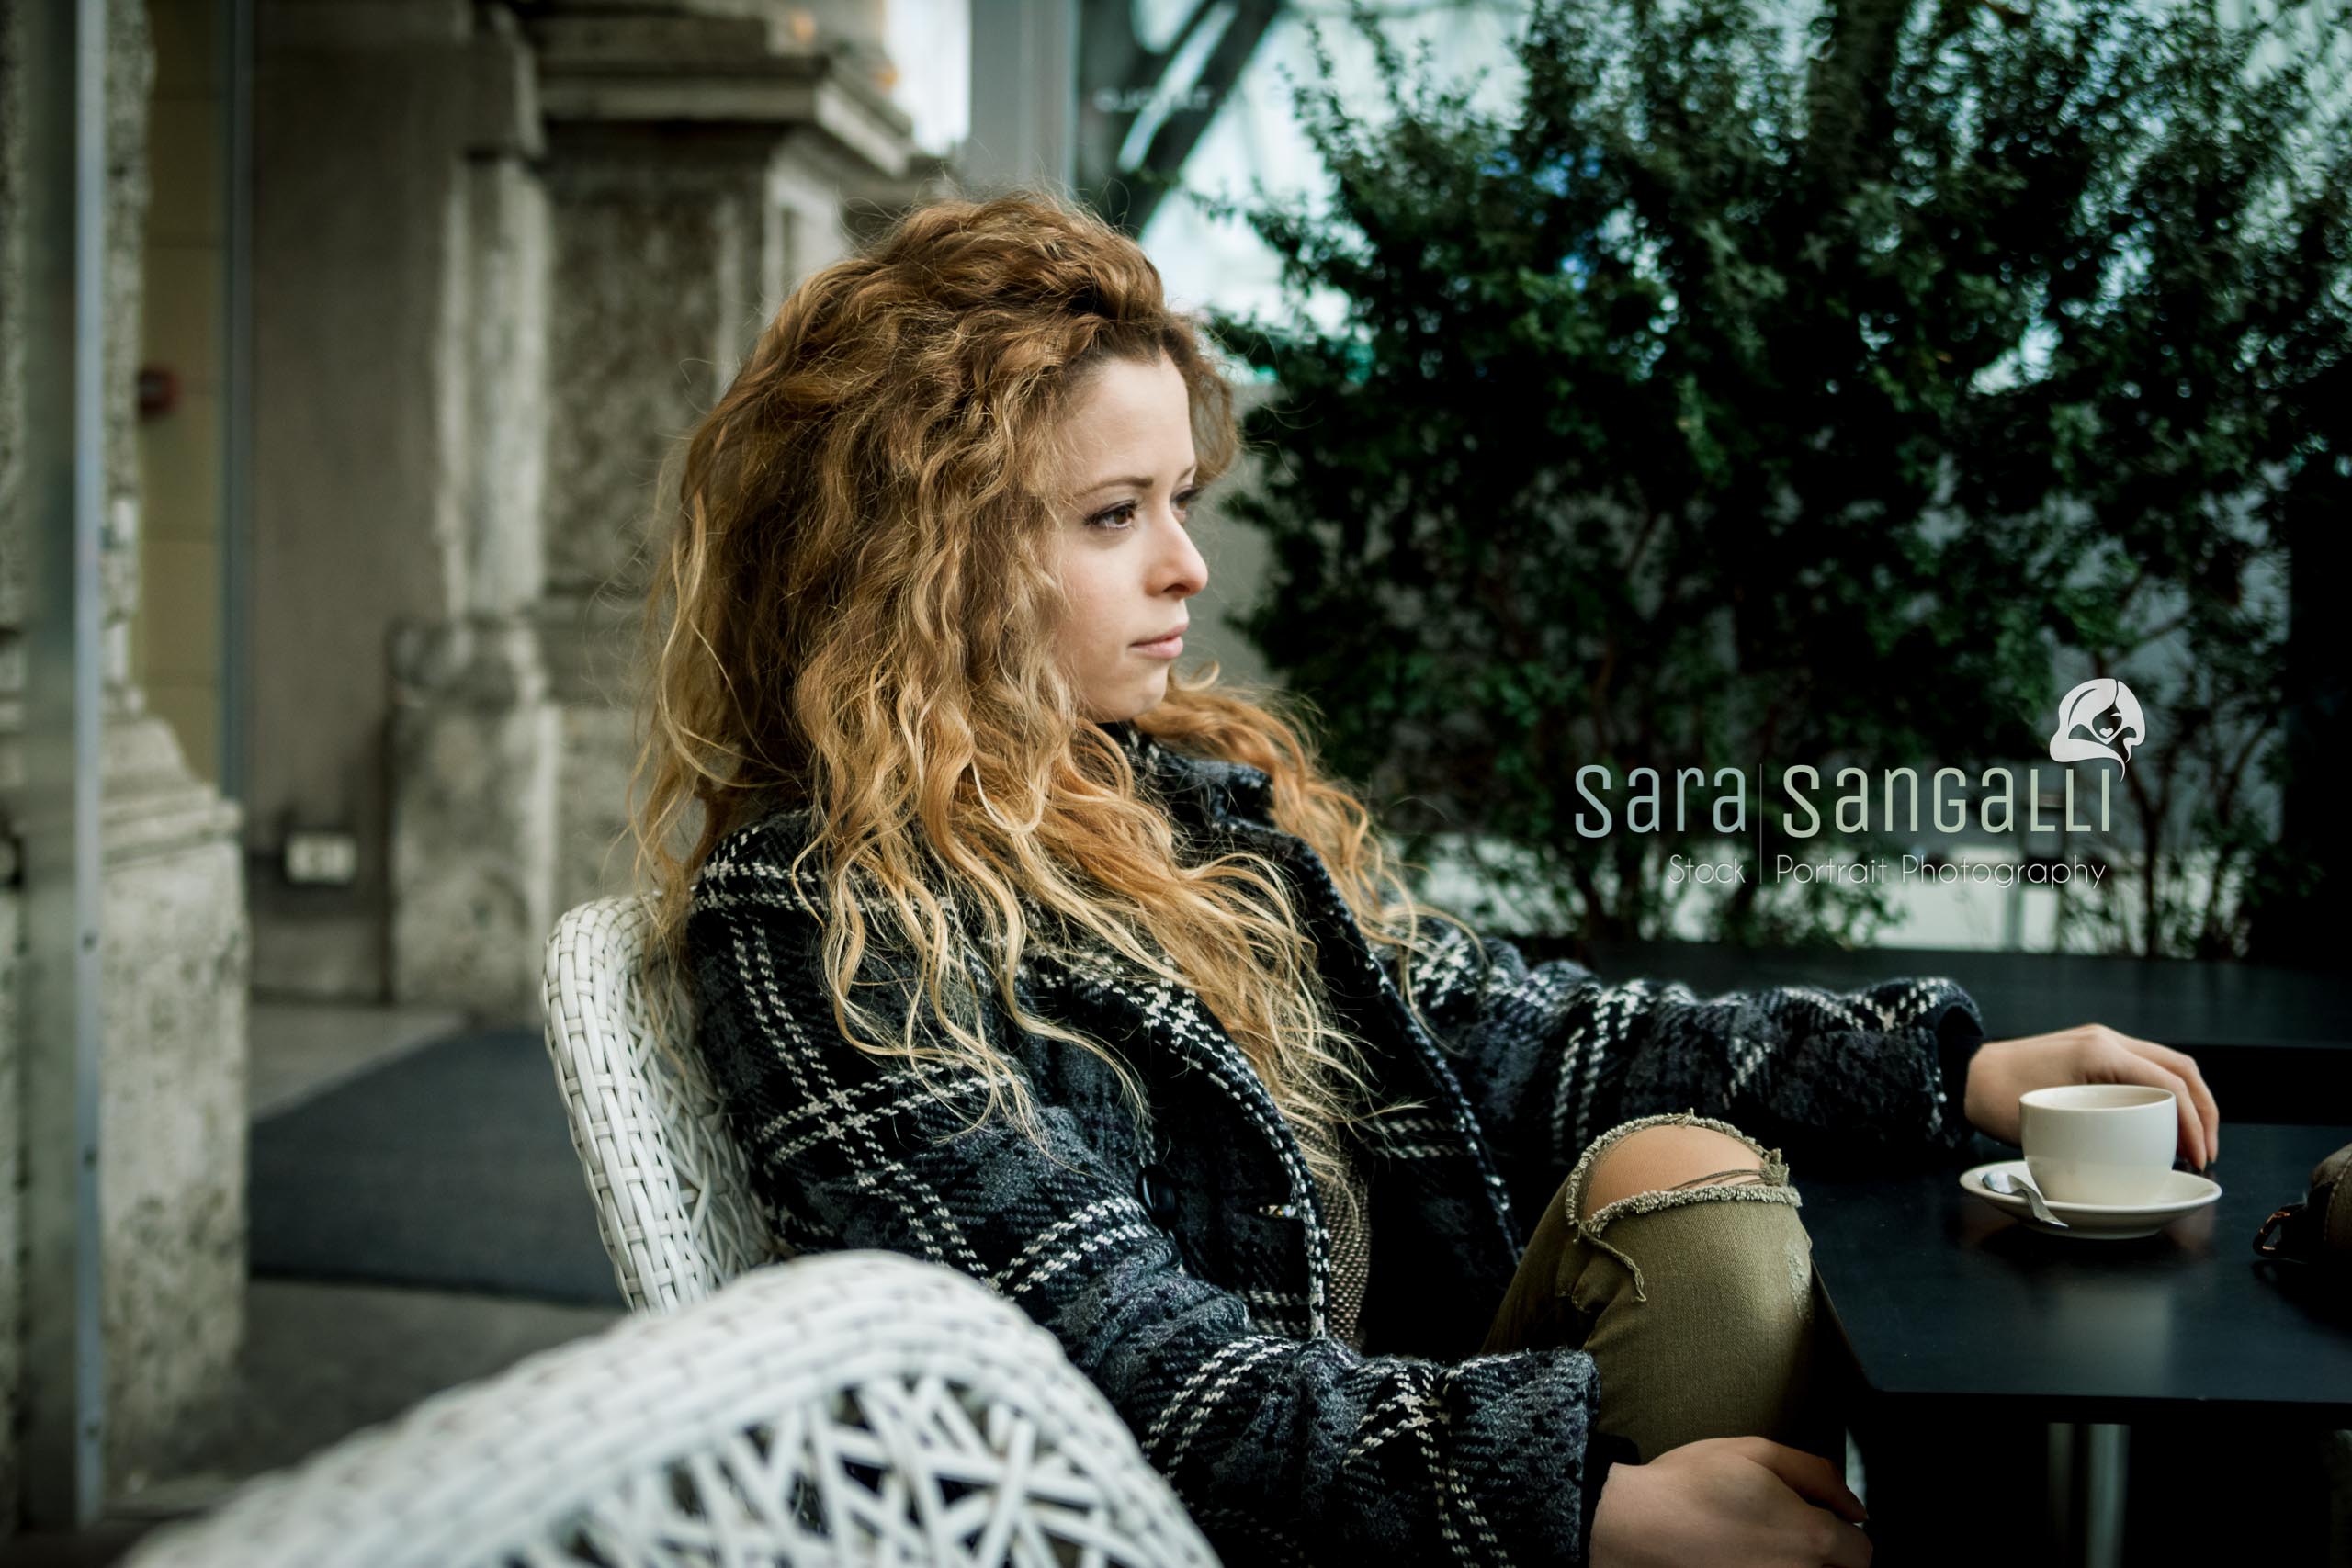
{"points": [[854, 612]]}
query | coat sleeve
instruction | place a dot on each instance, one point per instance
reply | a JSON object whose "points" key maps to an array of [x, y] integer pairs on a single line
{"points": [[1281, 1448], [1552, 1056]]}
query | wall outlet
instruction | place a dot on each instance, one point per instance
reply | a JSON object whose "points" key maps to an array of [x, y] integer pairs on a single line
{"points": [[319, 859]]}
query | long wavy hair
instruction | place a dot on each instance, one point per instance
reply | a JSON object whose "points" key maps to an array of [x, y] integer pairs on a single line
{"points": [[854, 611]]}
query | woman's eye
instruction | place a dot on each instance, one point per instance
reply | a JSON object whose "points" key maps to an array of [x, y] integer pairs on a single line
{"points": [[1121, 518]]}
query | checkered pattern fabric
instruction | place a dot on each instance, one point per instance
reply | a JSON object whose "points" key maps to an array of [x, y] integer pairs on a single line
{"points": [[1349, 1215], [1200, 1298]]}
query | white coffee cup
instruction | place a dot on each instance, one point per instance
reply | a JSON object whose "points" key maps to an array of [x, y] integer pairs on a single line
{"points": [[2099, 1142]]}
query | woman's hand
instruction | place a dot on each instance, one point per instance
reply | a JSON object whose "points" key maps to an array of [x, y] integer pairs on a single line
{"points": [[1744, 1500], [2001, 1071]]}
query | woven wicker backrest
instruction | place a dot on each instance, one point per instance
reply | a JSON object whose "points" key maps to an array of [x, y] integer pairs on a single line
{"points": [[672, 1192], [849, 1407]]}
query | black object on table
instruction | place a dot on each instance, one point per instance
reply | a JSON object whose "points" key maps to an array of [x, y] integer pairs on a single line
{"points": [[1971, 1335]]}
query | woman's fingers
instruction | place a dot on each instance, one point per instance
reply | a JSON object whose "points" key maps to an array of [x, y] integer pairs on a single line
{"points": [[2192, 1131], [2091, 1052], [1848, 1548], [2123, 1064], [2209, 1110], [1810, 1476], [1818, 1481]]}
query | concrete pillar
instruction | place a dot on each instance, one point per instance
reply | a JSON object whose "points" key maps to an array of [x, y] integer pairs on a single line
{"points": [[694, 168], [15, 528], [1025, 94], [173, 940], [474, 734]]}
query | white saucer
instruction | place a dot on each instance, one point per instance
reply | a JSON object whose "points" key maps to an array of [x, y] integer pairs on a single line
{"points": [[2184, 1191]]}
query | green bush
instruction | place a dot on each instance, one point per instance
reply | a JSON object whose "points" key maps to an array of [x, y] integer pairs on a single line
{"points": [[1839, 388]]}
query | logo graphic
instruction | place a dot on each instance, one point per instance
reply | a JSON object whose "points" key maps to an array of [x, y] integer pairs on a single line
{"points": [[2099, 718]]}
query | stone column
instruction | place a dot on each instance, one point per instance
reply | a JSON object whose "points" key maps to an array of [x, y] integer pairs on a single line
{"points": [[14, 524], [474, 734], [174, 942], [696, 167]]}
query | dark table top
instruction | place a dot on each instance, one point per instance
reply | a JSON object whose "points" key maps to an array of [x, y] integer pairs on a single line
{"points": [[2177, 1001], [1940, 1296]]}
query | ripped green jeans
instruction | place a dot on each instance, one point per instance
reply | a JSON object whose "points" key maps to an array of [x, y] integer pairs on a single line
{"points": [[1698, 1302]]}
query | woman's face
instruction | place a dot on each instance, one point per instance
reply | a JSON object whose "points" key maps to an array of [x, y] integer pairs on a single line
{"points": [[1127, 563]]}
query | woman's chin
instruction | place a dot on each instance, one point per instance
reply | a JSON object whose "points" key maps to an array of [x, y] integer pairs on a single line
{"points": [[1135, 700]]}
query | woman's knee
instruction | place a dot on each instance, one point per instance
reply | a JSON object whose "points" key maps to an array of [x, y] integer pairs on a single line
{"points": [[1711, 1329], [1665, 1155]]}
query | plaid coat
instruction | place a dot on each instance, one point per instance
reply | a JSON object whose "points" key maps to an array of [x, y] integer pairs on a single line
{"points": [[1184, 1265]]}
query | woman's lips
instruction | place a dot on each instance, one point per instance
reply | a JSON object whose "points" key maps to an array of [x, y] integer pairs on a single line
{"points": [[1165, 648]]}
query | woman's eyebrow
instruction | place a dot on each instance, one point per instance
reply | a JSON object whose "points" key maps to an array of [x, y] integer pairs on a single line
{"points": [[1140, 481]]}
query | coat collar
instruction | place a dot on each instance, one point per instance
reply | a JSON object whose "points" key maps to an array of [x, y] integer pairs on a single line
{"points": [[1219, 789]]}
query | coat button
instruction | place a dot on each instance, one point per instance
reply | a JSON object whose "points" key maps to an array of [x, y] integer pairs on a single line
{"points": [[1158, 1196]]}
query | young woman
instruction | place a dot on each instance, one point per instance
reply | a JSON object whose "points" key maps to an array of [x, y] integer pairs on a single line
{"points": [[1018, 950]]}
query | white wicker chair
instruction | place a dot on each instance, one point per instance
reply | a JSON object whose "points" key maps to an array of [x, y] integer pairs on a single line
{"points": [[849, 1407], [672, 1192]]}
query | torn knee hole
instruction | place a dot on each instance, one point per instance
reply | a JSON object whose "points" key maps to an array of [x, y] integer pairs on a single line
{"points": [[1660, 1158], [1742, 1174]]}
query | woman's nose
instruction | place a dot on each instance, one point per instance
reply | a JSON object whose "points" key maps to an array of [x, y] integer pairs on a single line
{"points": [[1184, 565]]}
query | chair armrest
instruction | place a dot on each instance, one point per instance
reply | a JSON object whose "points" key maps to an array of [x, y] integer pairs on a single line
{"points": [[674, 1203], [843, 1406]]}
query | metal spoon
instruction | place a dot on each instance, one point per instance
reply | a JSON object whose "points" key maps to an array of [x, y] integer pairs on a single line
{"points": [[2002, 1182]]}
